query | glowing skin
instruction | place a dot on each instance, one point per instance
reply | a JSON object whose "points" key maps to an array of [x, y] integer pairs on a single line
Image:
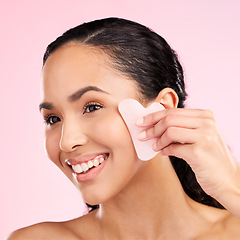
{"points": [[78, 131], [139, 199]]}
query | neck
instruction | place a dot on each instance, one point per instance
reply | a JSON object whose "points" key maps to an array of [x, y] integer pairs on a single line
{"points": [[152, 205]]}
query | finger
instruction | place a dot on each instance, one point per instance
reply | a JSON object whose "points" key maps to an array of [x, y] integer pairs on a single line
{"points": [[170, 121], [193, 154], [178, 150], [153, 118], [177, 135]]}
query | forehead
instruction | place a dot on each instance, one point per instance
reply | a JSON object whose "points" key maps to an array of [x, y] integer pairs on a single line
{"points": [[73, 61], [74, 66]]}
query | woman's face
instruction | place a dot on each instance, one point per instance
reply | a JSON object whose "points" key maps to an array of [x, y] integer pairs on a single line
{"points": [[81, 93]]}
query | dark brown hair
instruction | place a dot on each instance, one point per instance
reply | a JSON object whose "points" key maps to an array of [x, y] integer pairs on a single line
{"points": [[145, 57]]}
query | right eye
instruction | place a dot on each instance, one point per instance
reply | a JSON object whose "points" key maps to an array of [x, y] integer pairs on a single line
{"points": [[50, 120]]}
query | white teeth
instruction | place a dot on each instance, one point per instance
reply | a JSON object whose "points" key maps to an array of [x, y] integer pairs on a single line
{"points": [[90, 164], [101, 159], [84, 167], [95, 162], [77, 168]]}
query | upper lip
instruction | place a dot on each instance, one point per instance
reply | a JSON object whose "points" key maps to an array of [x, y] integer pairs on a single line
{"points": [[84, 158]]}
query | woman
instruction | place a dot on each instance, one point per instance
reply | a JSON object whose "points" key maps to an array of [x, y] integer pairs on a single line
{"points": [[86, 73]]}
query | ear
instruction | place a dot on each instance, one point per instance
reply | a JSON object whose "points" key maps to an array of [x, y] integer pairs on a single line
{"points": [[168, 98]]}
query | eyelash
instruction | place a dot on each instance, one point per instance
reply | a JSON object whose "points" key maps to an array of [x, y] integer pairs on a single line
{"points": [[48, 119], [86, 109], [97, 106]]}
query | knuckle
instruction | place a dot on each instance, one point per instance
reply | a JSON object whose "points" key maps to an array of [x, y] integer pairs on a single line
{"points": [[152, 117], [164, 122], [196, 151], [169, 119], [150, 132], [206, 139], [209, 124], [208, 113], [170, 133], [208, 120]]}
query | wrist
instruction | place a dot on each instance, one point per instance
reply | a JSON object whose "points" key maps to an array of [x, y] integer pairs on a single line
{"points": [[230, 196]]}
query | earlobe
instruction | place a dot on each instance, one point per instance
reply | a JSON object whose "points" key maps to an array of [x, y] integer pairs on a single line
{"points": [[168, 98]]}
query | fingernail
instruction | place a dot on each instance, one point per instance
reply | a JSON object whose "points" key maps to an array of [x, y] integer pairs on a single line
{"points": [[139, 121], [142, 135]]}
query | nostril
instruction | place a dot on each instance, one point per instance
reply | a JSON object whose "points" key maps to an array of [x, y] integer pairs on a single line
{"points": [[72, 136], [75, 146]]}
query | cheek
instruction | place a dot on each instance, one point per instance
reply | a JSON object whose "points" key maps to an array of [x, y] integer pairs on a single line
{"points": [[52, 146], [112, 131]]}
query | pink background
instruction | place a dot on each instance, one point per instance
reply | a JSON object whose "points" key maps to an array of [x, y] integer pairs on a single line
{"points": [[206, 35]]}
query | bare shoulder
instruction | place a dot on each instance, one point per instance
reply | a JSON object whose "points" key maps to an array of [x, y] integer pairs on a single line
{"points": [[232, 225], [83, 226], [220, 224], [228, 227], [76, 229], [45, 230]]}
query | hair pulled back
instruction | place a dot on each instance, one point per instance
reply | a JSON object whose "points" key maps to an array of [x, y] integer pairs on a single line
{"points": [[145, 57]]}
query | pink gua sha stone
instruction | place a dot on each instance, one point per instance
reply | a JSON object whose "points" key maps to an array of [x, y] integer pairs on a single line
{"points": [[130, 111]]}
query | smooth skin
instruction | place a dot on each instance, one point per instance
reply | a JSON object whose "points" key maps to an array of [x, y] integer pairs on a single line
{"points": [[194, 136], [138, 200]]}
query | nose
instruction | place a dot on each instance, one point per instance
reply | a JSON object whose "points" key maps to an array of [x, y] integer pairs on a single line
{"points": [[72, 136]]}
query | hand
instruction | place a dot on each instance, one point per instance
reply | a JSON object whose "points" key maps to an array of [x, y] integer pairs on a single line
{"points": [[194, 136]]}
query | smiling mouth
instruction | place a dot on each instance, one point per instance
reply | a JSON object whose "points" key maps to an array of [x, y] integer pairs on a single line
{"points": [[85, 167]]}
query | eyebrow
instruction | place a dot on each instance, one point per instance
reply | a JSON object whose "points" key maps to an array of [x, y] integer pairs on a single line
{"points": [[78, 94], [74, 97], [45, 105]]}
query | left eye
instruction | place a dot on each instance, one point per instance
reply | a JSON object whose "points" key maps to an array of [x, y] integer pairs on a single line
{"points": [[92, 107], [51, 120]]}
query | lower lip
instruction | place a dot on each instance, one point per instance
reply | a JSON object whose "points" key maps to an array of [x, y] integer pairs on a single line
{"points": [[91, 174]]}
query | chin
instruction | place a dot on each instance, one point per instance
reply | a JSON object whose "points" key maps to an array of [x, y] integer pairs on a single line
{"points": [[98, 197], [92, 198], [92, 202]]}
